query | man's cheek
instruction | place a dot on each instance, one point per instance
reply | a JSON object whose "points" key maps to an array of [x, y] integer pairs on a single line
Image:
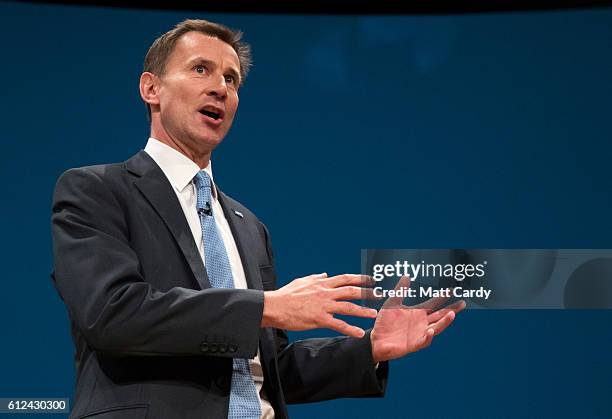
{"points": [[228, 121]]}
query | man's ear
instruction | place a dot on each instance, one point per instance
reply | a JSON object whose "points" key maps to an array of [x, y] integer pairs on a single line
{"points": [[149, 88]]}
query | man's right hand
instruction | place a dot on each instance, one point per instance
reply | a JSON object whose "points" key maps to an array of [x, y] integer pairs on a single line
{"points": [[311, 302]]}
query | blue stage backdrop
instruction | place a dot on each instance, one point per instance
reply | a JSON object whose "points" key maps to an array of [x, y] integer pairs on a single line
{"points": [[470, 131]]}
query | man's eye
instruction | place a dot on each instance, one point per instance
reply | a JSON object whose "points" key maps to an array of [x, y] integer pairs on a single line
{"points": [[200, 69], [230, 79]]}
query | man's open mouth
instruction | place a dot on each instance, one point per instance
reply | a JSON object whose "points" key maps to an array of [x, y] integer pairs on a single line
{"points": [[212, 112]]}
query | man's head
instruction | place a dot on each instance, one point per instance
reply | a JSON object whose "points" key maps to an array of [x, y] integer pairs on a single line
{"points": [[190, 84]]}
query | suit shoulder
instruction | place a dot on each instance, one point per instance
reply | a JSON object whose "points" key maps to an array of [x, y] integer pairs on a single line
{"points": [[110, 174], [101, 171], [96, 181]]}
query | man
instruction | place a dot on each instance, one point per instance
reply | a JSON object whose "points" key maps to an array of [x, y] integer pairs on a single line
{"points": [[170, 283]]}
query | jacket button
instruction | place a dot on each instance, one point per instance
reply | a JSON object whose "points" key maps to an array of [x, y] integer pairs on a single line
{"points": [[233, 347], [204, 347], [212, 347], [222, 348]]}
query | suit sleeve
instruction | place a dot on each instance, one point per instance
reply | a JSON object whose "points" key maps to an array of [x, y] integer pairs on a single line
{"points": [[314, 370], [97, 275]]}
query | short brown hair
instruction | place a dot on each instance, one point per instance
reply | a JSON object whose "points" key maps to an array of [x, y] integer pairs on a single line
{"points": [[161, 49]]}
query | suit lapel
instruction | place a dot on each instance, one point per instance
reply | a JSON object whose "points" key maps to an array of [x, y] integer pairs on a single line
{"points": [[157, 190], [244, 241]]}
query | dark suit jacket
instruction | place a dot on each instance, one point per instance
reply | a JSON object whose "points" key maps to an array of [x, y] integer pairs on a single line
{"points": [[150, 341]]}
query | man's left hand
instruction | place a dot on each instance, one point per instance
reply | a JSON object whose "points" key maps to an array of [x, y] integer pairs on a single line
{"points": [[400, 329]]}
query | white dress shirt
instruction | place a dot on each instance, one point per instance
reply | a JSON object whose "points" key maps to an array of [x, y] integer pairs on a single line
{"points": [[180, 171]]}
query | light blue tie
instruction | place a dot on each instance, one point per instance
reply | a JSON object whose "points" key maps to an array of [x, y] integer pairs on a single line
{"points": [[244, 402]]}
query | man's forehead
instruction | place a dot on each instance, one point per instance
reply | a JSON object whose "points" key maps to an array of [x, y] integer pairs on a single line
{"points": [[197, 44]]}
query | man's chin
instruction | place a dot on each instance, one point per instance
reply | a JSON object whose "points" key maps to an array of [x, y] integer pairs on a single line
{"points": [[211, 141], [208, 142]]}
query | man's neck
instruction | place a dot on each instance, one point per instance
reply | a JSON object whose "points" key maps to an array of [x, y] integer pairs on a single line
{"points": [[201, 160]]}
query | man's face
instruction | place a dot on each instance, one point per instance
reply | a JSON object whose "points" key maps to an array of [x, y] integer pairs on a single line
{"points": [[198, 94]]}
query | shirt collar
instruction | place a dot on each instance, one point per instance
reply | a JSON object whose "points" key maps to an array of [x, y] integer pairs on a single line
{"points": [[178, 168]]}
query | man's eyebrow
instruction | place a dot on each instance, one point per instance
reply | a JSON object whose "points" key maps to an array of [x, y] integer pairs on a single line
{"points": [[202, 60]]}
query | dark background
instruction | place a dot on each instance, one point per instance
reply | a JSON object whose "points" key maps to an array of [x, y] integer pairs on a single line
{"points": [[465, 131]]}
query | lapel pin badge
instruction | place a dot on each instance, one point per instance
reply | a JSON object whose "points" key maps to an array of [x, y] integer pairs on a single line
{"points": [[239, 214]]}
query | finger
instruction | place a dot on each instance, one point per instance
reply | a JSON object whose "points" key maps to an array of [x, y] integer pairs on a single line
{"points": [[431, 304], [350, 309], [457, 306], [369, 294], [345, 328], [350, 279], [426, 339], [318, 276], [438, 314], [443, 323], [353, 293], [404, 282]]}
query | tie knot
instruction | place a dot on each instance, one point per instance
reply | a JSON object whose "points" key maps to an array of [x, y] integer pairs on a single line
{"points": [[202, 180]]}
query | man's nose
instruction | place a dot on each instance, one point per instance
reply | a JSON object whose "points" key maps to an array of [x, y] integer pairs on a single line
{"points": [[217, 87]]}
